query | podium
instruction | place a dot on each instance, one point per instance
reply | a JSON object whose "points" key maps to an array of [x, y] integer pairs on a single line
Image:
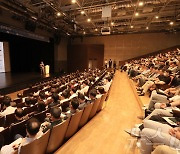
{"points": [[47, 68]]}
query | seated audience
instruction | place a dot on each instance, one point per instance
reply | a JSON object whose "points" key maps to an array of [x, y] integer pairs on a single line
{"points": [[7, 108], [82, 101], [32, 129], [73, 107], [54, 119]]}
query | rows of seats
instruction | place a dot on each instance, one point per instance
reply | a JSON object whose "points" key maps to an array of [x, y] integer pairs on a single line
{"points": [[68, 127], [54, 138]]}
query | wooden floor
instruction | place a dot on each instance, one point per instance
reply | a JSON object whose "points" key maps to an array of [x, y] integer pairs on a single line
{"points": [[104, 134]]}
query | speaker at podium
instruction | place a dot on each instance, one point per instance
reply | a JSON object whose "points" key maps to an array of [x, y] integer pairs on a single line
{"points": [[47, 69]]}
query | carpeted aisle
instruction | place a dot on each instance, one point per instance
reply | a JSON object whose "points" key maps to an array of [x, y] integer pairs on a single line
{"points": [[104, 134]]}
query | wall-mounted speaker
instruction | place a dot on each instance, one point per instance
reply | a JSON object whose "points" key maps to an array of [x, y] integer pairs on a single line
{"points": [[30, 26], [57, 38]]}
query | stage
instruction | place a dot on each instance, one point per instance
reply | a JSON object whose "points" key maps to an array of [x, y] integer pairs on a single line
{"points": [[11, 82]]}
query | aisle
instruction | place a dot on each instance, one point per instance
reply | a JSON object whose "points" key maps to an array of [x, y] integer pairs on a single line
{"points": [[104, 134]]}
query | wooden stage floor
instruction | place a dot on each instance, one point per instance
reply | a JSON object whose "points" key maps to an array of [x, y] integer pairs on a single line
{"points": [[104, 134], [10, 82]]}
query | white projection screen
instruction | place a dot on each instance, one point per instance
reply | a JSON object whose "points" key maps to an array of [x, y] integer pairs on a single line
{"points": [[4, 57]]}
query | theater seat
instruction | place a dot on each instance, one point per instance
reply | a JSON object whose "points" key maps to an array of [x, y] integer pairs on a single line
{"points": [[2, 121], [101, 102], [38, 146], [17, 100], [10, 118], [57, 136], [85, 115], [20, 105], [94, 108], [18, 128], [6, 134], [73, 124], [41, 115], [30, 109]]}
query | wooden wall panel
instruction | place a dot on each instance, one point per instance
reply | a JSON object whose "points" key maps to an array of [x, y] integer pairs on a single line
{"points": [[123, 47], [78, 56]]}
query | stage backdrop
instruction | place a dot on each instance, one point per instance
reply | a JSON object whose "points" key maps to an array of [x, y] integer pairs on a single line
{"points": [[4, 57], [26, 54]]}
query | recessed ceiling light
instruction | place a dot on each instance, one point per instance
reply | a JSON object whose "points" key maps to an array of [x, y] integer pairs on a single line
{"points": [[82, 12], [58, 14], [136, 14], [171, 23], [147, 27], [156, 17], [132, 26], [141, 3], [88, 20], [112, 23], [73, 1]]}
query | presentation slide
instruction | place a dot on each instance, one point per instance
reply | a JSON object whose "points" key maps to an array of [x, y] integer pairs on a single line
{"points": [[4, 57], [2, 67]]}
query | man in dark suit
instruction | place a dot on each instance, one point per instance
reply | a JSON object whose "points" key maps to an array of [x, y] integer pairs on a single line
{"points": [[110, 63]]}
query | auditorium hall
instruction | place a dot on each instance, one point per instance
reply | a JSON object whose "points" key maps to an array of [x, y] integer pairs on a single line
{"points": [[89, 76]]}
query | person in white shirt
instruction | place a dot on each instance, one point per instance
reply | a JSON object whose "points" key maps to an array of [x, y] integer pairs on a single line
{"points": [[8, 109], [107, 84], [32, 129], [85, 87], [73, 93]]}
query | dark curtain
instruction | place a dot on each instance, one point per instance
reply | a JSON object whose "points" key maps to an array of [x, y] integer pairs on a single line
{"points": [[26, 54]]}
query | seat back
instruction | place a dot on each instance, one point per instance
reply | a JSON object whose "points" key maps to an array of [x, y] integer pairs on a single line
{"points": [[18, 128], [30, 109], [85, 115], [2, 121], [73, 124], [101, 102], [41, 115], [26, 92], [20, 105], [57, 136], [94, 108], [17, 100], [38, 146], [10, 118], [6, 134]]}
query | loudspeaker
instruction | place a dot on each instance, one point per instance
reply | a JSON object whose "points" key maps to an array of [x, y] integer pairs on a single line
{"points": [[57, 38], [30, 26]]}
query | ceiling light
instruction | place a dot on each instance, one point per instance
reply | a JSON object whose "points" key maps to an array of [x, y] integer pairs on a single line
{"points": [[73, 1], [96, 29], [156, 17], [58, 14], [147, 27], [82, 12], [84, 32], [88, 20], [132, 26], [112, 23], [141, 3], [136, 14], [33, 17], [171, 23]]}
